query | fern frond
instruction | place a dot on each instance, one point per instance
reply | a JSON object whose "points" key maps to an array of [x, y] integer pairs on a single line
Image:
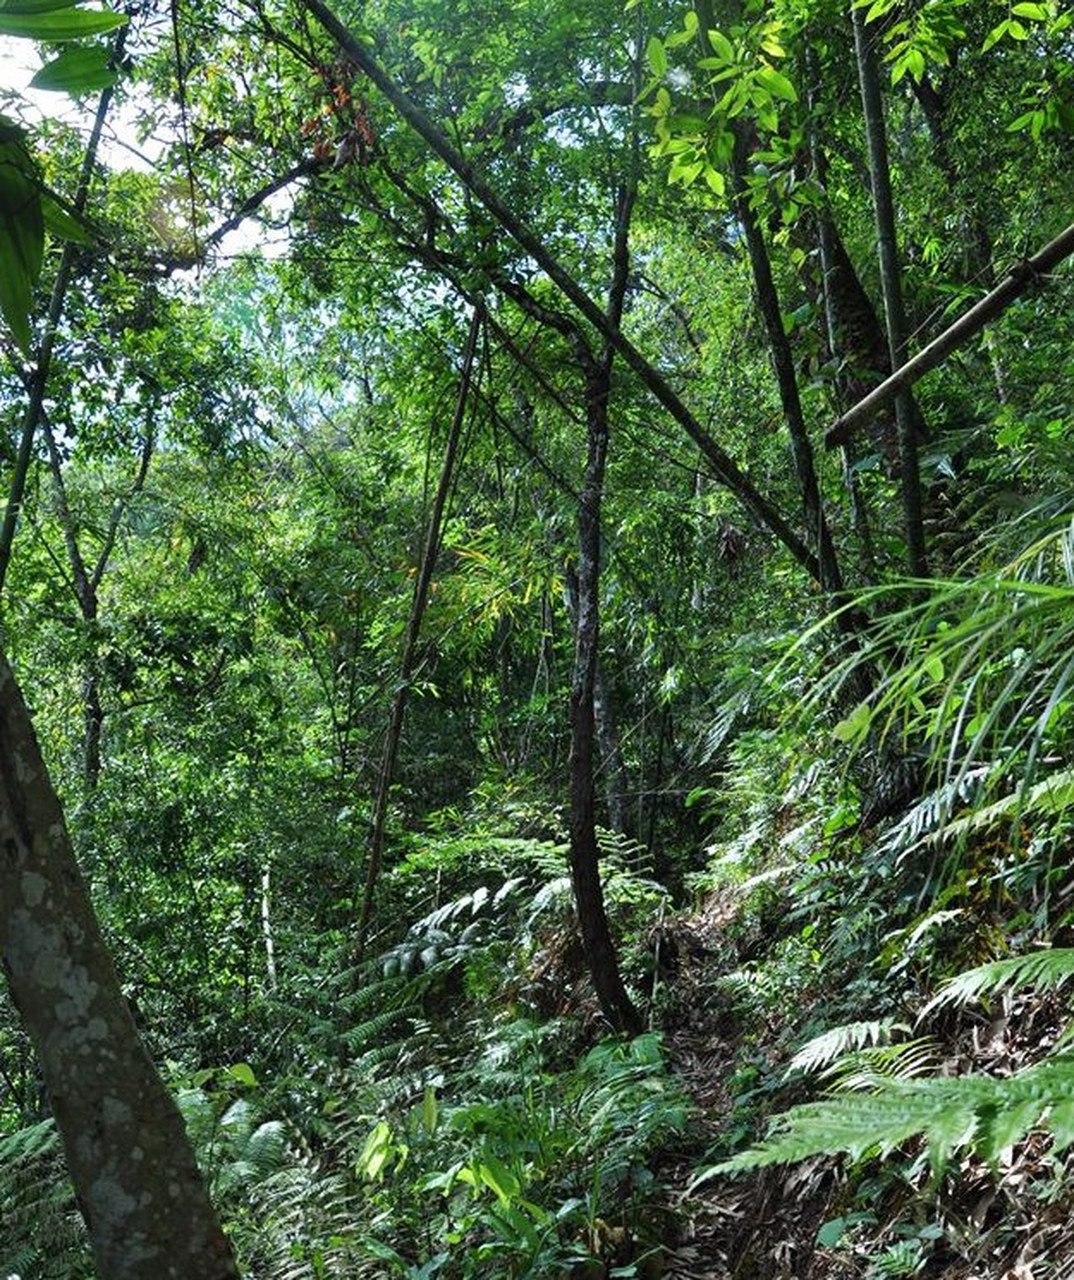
{"points": [[870, 1068], [823, 1050], [1043, 970], [29, 1143], [986, 1113]]}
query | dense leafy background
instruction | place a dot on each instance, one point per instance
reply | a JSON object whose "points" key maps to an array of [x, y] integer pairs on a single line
{"points": [[253, 356]]}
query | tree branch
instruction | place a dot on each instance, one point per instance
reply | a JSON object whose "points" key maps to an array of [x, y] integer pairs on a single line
{"points": [[1020, 279]]}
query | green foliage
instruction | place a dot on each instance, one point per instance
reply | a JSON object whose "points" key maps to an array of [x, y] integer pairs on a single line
{"points": [[890, 1103], [983, 1113], [22, 206], [22, 231], [442, 1108], [40, 1230]]}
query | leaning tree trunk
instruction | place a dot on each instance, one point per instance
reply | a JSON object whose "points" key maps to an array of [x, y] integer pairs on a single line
{"points": [[420, 598], [779, 348], [137, 1183]]}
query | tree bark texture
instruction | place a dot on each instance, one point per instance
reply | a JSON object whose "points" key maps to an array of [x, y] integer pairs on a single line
{"points": [[585, 855], [137, 1183]]}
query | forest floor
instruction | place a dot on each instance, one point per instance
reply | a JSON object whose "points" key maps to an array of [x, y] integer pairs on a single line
{"points": [[821, 1219]]}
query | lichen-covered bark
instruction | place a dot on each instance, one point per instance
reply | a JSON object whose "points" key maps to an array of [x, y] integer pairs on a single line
{"points": [[138, 1186]]}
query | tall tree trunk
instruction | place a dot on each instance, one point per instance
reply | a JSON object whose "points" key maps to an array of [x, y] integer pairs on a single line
{"points": [[783, 363], [891, 284], [410, 640], [597, 941], [585, 855], [138, 1186]]}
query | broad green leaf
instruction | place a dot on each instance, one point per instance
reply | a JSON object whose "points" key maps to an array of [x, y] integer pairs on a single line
{"points": [[1036, 12], [498, 1178], [689, 31], [59, 24], [242, 1072], [22, 234], [934, 668], [1019, 123], [657, 56], [716, 181], [721, 46], [34, 6], [61, 223], [375, 1153], [79, 70], [996, 34], [686, 172], [777, 84], [854, 726]]}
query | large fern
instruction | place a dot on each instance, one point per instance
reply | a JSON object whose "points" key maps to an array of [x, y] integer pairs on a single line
{"points": [[1042, 970], [878, 1111], [986, 1113]]}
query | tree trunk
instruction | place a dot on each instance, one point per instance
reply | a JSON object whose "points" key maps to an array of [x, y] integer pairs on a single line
{"points": [[585, 855], [783, 364], [138, 1186], [410, 641], [891, 284], [597, 941]]}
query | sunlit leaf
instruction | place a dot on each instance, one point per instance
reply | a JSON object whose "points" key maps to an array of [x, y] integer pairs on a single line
{"points": [[78, 70]]}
